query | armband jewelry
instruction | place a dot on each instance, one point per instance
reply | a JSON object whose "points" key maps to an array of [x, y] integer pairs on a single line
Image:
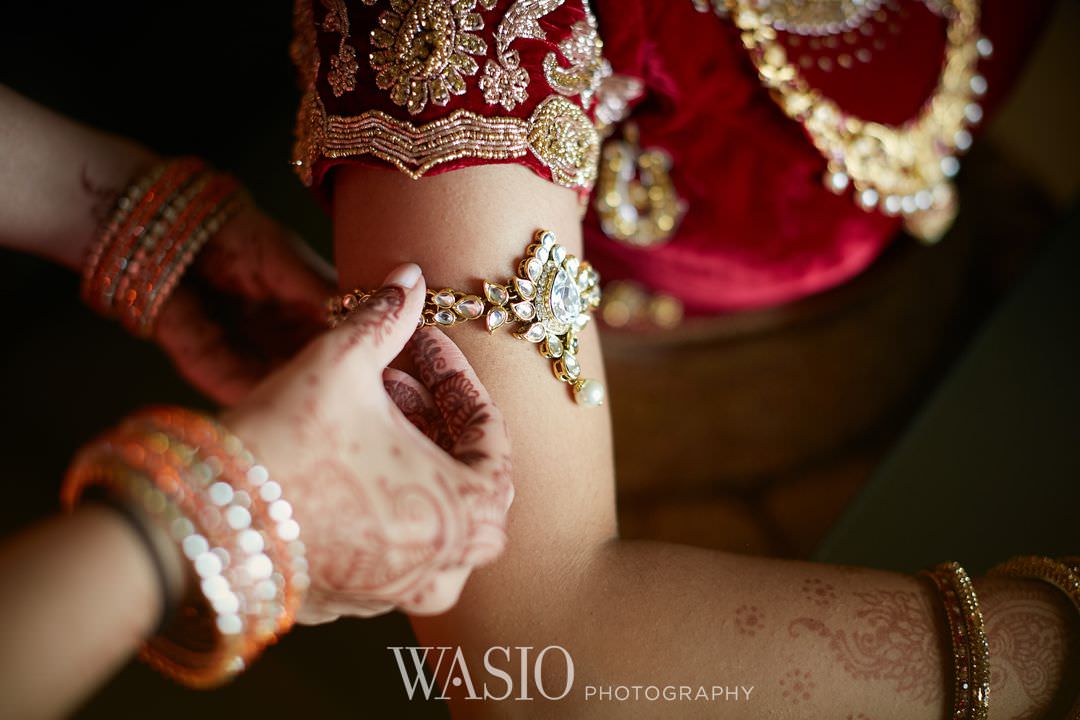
{"points": [[153, 234], [970, 648], [548, 303], [191, 478]]}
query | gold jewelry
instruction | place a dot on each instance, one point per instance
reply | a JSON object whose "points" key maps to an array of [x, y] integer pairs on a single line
{"points": [[548, 302], [1064, 574], [636, 199], [901, 169], [971, 650]]}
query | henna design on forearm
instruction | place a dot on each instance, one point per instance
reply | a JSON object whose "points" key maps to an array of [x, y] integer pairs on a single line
{"points": [[818, 592], [893, 637], [1027, 648], [798, 686], [749, 619], [103, 198]]}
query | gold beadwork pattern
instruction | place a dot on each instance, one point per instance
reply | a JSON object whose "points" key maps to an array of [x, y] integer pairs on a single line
{"points": [[505, 82], [423, 48], [343, 65], [901, 170], [584, 49], [636, 200], [548, 302], [613, 99], [563, 138], [558, 133], [415, 149]]}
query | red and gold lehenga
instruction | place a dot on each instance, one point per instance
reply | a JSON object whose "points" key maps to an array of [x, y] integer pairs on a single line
{"points": [[736, 160]]}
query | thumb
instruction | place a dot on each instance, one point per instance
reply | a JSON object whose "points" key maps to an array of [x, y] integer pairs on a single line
{"points": [[378, 329]]}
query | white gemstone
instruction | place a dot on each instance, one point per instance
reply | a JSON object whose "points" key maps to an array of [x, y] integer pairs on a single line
{"points": [[525, 288], [288, 530], [868, 198], [270, 491], [280, 510], [581, 321], [445, 317], [838, 181], [524, 310], [237, 517], [194, 546], [533, 269], [573, 367], [950, 166], [558, 253], [978, 85], [230, 624], [589, 393], [908, 204], [496, 294], [207, 564], [534, 334], [495, 318], [973, 112], [553, 346], [469, 307], [984, 47], [221, 493], [572, 265], [251, 541], [542, 254], [547, 239], [924, 199], [257, 475], [444, 299], [962, 140], [891, 205], [565, 298]]}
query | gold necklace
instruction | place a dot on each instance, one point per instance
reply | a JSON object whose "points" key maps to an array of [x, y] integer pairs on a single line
{"points": [[902, 170]]}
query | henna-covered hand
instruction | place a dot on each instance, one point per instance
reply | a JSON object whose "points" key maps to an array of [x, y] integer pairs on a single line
{"points": [[253, 298], [401, 485]]}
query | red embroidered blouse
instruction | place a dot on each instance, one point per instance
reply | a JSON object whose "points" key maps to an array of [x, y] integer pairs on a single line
{"points": [[778, 199]]}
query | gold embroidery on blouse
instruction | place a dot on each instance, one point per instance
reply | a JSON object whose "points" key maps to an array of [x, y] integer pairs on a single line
{"points": [[423, 48], [343, 65], [559, 133], [901, 169], [584, 49], [305, 56], [613, 99], [564, 139], [636, 199], [504, 81], [415, 149]]}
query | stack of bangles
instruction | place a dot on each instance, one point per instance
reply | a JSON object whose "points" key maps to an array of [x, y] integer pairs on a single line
{"points": [[151, 237], [180, 475], [967, 631]]}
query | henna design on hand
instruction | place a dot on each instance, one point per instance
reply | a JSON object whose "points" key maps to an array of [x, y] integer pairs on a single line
{"points": [[748, 619], [377, 318], [893, 638]]}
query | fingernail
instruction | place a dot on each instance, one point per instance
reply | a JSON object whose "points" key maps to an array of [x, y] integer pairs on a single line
{"points": [[404, 276]]}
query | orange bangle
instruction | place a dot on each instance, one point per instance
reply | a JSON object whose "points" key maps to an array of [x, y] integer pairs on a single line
{"points": [[194, 480]]}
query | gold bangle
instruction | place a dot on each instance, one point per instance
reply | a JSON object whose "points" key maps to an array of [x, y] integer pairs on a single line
{"points": [[549, 302], [1064, 574], [971, 650]]}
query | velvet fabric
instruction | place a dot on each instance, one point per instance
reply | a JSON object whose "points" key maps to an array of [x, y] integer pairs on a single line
{"points": [[761, 229]]}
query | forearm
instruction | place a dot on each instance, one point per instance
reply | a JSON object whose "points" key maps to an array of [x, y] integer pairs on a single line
{"points": [[812, 640], [79, 595], [58, 179]]}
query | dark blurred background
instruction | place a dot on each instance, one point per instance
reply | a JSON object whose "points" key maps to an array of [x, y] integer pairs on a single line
{"points": [[214, 79]]}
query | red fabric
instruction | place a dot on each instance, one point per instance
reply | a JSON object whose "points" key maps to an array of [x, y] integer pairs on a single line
{"points": [[367, 96], [761, 229]]}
